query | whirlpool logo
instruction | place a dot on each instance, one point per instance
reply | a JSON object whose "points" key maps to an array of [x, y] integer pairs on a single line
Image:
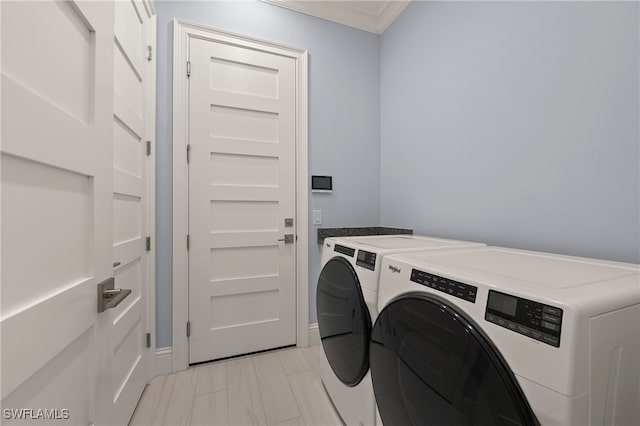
{"points": [[394, 269]]}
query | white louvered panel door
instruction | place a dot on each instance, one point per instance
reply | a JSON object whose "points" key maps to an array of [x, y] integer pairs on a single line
{"points": [[241, 189], [125, 325], [57, 99]]}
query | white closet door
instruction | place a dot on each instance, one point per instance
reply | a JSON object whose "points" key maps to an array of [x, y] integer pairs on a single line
{"points": [[125, 327], [57, 127], [241, 190]]}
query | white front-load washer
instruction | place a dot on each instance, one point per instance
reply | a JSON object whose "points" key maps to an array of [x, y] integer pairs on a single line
{"points": [[346, 300], [500, 336]]}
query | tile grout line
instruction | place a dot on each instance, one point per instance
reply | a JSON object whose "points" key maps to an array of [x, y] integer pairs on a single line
{"points": [[286, 376], [226, 389], [193, 399], [166, 407], [286, 420], [255, 372]]}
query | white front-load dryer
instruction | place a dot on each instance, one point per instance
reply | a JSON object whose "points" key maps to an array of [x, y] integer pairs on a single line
{"points": [[500, 336], [346, 300]]}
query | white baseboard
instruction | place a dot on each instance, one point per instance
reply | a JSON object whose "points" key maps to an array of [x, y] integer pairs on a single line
{"points": [[314, 335], [164, 360]]}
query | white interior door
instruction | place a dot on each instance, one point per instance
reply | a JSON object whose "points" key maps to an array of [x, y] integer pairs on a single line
{"points": [[125, 325], [57, 99], [241, 189]]}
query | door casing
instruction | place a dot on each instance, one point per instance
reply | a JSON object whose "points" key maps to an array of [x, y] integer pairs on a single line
{"points": [[150, 123], [183, 30]]}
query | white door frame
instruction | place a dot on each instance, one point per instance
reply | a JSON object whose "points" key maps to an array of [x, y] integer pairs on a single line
{"points": [[182, 32], [150, 128]]}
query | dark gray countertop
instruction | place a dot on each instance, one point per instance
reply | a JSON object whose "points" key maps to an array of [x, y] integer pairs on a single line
{"points": [[359, 231]]}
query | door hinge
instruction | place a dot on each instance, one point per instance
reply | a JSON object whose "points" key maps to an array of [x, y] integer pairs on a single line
{"points": [[188, 68], [148, 243], [148, 147], [188, 153], [148, 340], [187, 241], [188, 328], [150, 51]]}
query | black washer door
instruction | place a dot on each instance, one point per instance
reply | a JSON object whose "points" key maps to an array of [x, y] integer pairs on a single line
{"points": [[343, 320], [432, 365]]}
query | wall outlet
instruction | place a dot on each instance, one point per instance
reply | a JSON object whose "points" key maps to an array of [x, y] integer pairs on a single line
{"points": [[317, 217]]}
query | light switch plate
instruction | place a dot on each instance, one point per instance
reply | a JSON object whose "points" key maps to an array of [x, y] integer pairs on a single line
{"points": [[317, 217]]}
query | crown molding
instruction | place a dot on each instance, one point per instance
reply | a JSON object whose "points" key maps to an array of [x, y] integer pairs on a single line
{"points": [[371, 16]]}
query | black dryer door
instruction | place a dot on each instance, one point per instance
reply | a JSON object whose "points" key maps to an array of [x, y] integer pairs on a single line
{"points": [[432, 365], [343, 321]]}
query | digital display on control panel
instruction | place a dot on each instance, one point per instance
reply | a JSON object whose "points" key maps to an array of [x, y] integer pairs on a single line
{"points": [[527, 317], [503, 303], [366, 259], [451, 287]]}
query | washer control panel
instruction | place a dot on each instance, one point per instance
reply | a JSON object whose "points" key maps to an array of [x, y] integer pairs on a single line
{"points": [[451, 287], [347, 251], [366, 260], [527, 317]]}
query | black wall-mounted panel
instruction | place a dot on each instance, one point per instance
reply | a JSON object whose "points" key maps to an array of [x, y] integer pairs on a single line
{"points": [[322, 183]]}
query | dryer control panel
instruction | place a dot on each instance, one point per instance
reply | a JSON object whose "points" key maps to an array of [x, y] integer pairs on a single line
{"points": [[532, 319]]}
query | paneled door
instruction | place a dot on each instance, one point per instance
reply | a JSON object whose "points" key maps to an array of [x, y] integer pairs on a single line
{"points": [[242, 106], [125, 325], [57, 172]]}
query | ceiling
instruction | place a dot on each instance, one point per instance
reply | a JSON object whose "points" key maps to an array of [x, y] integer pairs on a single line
{"points": [[372, 16]]}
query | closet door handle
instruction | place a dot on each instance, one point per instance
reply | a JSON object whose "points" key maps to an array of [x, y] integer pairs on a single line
{"points": [[115, 296], [109, 296]]}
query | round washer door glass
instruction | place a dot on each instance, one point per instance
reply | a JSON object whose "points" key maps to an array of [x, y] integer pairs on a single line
{"points": [[343, 321], [432, 365]]}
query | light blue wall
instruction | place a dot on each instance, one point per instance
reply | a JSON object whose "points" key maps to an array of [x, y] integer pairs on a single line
{"points": [[515, 124], [343, 121]]}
